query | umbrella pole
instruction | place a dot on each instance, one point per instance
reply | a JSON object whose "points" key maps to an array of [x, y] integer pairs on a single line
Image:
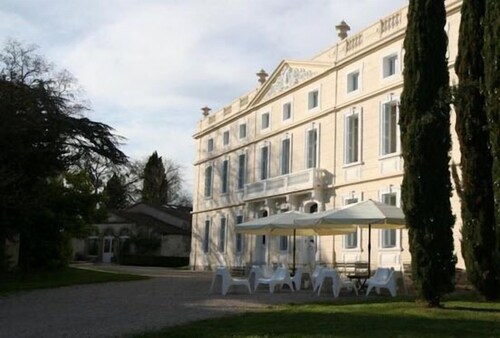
{"points": [[293, 268], [369, 248]]}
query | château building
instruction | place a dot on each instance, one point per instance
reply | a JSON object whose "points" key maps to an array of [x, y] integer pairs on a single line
{"points": [[314, 135]]}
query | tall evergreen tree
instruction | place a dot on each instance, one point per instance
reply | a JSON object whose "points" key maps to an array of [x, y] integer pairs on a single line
{"points": [[426, 142], [491, 53], [115, 193], [476, 193], [155, 188]]}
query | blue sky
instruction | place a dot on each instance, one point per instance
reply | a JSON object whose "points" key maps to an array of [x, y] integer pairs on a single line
{"points": [[148, 66]]}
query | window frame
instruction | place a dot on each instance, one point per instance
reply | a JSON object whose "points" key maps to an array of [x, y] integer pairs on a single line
{"points": [[393, 102], [210, 145], [206, 236], [239, 244], [396, 192], [283, 243], [350, 83], [358, 112], [208, 191], [241, 176], [222, 238], [265, 116], [314, 127], [245, 126], [385, 64], [264, 169], [354, 198], [288, 139], [318, 99], [226, 140], [287, 104], [224, 187]]}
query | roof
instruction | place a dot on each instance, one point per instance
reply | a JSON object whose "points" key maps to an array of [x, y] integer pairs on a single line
{"points": [[157, 225], [178, 211]]}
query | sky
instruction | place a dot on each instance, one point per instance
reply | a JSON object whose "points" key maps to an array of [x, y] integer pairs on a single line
{"points": [[148, 66]]}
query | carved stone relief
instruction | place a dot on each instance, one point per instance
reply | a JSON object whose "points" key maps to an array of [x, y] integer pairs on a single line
{"points": [[288, 78]]}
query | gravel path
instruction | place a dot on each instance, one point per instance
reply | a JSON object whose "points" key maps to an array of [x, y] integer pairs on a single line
{"points": [[115, 309]]}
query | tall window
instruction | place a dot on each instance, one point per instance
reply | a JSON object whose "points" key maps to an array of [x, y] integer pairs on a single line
{"points": [[208, 181], [353, 81], [225, 138], [352, 138], [206, 237], [242, 131], [222, 235], [265, 121], [313, 99], [390, 64], [285, 156], [287, 111], [242, 170], [224, 176], [351, 240], [312, 148], [239, 237], [389, 123], [283, 243], [210, 145], [264, 162], [389, 235]]}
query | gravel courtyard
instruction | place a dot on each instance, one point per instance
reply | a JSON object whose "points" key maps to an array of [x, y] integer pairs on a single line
{"points": [[114, 309]]}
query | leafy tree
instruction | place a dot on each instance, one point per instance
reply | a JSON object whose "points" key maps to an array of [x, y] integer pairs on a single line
{"points": [[491, 53], [115, 193], [426, 142], [476, 189], [155, 186], [43, 134]]}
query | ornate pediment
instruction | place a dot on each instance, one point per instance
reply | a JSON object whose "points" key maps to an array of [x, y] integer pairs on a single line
{"points": [[287, 78]]}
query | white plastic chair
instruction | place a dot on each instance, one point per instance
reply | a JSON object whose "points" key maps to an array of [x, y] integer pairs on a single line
{"points": [[279, 278], [257, 272], [315, 275], [384, 278], [299, 274], [227, 280], [337, 282]]}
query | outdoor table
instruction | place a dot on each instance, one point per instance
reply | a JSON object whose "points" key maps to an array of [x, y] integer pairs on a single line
{"points": [[360, 280]]}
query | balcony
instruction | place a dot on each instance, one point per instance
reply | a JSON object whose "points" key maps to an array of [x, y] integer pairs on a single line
{"points": [[286, 184]]}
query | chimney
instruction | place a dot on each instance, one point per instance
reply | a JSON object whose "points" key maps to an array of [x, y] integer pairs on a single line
{"points": [[205, 111], [262, 76], [342, 28]]}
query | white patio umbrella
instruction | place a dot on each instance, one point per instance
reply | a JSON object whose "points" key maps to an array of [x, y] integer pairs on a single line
{"points": [[368, 214], [283, 224]]}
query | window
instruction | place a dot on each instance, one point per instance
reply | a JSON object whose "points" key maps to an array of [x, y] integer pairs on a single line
{"points": [[210, 145], [313, 99], [93, 246], [389, 235], [285, 156], [352, 137], [264, 121], [389, 65], [208, 181], [287, 111], [242, 131], [283, 243], [206, 237], [264, 162], [225, 138], [222, 235], [239, 237], [242, 170], [312, 148], [351, 240], [389, 124], [353, 81], [225, 176]]}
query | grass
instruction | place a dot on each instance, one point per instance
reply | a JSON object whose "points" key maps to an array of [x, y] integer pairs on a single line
{"points": [[17, 282], [372, 318]]}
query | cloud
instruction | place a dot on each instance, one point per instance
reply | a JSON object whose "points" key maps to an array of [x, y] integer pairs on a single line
{"points": [[148, 66]]}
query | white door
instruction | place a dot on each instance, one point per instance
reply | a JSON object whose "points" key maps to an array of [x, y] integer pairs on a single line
{"points": [[107, 249]]}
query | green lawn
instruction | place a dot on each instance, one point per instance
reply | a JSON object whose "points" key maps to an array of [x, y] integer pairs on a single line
{"points": [[51, 279], [372, 318]]}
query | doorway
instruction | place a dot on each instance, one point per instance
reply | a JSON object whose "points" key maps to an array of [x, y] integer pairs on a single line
{"points": [[107, 249]]}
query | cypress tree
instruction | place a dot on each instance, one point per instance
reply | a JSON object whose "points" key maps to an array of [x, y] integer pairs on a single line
{"points": [[155, 187], [426, 142], [115, 193], [491, 53], [476, 196]]}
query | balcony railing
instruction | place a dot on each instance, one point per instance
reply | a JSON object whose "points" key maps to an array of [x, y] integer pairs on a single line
{"points": [[302, 180]]}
